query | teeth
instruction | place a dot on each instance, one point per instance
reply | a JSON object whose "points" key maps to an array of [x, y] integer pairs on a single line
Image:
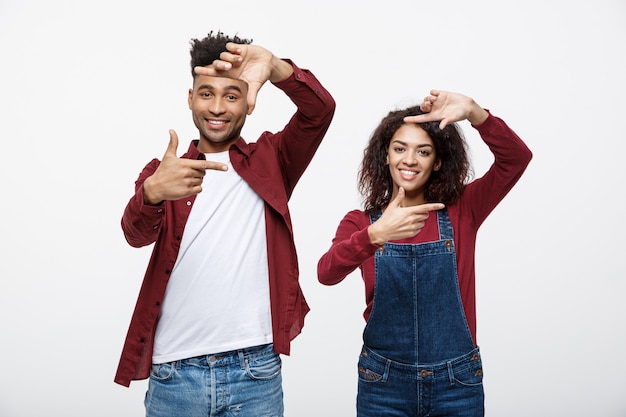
{"points": [[216, 122], [405, 172]]}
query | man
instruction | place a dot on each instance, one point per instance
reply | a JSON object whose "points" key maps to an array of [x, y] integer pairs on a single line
{"points": [[220, 300]]}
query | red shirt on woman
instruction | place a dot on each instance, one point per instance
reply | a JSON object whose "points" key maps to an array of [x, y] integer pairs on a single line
{"points": [[351, 246]]}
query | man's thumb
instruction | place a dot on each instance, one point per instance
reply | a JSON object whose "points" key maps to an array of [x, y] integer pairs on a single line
{"points": [[172, 146], [253, 91]]}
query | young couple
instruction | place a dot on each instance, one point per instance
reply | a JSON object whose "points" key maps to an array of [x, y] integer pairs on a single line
{"points": [[220, 300]]}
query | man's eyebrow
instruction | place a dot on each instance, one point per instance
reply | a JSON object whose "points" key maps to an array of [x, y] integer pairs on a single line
{"points": [[212, 88]]}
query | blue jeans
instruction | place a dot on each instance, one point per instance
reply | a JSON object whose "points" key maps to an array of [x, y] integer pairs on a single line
{"points": [[392, 389], [241, 383]]}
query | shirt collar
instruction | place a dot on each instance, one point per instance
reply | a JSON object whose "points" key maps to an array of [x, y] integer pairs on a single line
{"points": [[194, 153]]}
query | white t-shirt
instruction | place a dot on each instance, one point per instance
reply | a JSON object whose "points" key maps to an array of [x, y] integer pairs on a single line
{"points": [[217, 297]]}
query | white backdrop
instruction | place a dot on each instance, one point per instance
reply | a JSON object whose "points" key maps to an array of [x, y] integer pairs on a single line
{"points": [[89, 89]]}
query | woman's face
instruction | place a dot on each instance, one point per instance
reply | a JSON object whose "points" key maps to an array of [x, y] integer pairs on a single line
{"points": [[411, 158]]}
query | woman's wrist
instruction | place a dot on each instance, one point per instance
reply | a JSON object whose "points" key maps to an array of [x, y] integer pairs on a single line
{"points": [[374, 238]]}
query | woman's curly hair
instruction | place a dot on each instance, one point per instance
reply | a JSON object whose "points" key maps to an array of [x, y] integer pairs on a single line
{"points": [[204, 51], [444, 185]]}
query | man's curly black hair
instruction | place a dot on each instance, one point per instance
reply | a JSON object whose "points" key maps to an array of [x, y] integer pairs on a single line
{"points": [[204, 51]]}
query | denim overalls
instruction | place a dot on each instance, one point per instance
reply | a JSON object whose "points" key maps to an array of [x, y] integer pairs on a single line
{"points": [[418, 357]]}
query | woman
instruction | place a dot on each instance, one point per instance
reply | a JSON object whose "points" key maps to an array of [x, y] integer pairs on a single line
{"points": [[414, 244]]}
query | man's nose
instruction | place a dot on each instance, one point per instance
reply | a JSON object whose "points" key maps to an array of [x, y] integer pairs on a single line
{"points": [[216, 106]]}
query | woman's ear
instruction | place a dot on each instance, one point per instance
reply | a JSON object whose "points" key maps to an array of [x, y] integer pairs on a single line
{"points": [[387, 159], [437, 165]]}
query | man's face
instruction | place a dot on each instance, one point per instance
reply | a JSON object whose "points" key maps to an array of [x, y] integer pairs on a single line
{"points": [[219, 108]]}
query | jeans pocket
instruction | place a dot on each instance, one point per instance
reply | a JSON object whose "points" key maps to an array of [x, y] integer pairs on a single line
{"points": [[162, 371], [370, 371], [264, 368], [367, 375], [471, 376]]}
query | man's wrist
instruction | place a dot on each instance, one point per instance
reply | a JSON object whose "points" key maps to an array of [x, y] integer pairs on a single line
{"points": [[147, 197], [281, 70]]}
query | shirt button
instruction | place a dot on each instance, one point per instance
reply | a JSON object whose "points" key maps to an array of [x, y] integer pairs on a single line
{"points": [[188, 203]]}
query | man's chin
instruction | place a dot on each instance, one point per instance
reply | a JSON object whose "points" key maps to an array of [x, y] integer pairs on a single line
{"points": [[216, 144]]}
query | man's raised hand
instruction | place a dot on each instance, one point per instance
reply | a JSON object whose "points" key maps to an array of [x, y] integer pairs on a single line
{"points": [[250, 63], [176, 177]]}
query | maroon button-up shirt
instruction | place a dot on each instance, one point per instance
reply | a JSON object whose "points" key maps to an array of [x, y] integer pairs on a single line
{"points": [[271, 166]]}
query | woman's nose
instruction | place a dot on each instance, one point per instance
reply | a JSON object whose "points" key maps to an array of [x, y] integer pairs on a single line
{"points": [[410, 158]]}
